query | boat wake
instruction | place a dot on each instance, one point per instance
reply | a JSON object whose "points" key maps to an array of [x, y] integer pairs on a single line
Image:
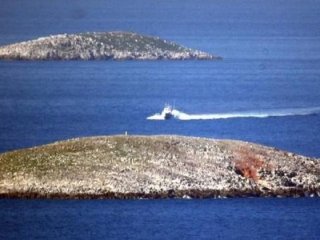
{"points": [[245, 114]]}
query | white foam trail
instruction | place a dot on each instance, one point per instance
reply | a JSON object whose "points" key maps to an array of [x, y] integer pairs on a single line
{"points": [[156, 116], [246, 114]]}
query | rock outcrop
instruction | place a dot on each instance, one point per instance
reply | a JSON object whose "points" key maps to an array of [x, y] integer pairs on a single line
{"points": [[156, 167], [100, 46]]}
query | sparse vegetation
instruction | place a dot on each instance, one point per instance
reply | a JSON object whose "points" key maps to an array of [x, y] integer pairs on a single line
{"points": [[98, 46], [155, 167]]}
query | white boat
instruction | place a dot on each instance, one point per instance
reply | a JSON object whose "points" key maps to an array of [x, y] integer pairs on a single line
{"points": [[167, 112]]}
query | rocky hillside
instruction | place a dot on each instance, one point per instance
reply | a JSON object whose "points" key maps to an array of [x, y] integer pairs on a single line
{"points": [[98, 46], [156, 167]]}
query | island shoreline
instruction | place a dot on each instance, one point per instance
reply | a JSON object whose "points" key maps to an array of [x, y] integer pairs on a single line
{"points": [[189, 194]]}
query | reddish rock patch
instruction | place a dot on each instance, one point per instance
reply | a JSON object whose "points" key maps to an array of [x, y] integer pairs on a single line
{"points": [[248, 163]]}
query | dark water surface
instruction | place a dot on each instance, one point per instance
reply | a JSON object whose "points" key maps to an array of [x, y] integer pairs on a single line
{"points": [[161, 219]]}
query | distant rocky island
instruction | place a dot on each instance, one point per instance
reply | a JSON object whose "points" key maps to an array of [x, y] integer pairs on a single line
{"points": [[131, 167], [100, 46]]}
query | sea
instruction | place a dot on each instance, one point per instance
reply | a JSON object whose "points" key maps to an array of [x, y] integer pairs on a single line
{"points": [[251, 218], [266, 90]]}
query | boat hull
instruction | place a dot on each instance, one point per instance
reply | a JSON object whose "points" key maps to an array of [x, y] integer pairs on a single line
{"points": [[168, 116]]}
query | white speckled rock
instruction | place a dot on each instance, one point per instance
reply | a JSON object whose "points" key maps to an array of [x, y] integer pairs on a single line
{"points": [[156, 166], [98, 46]]}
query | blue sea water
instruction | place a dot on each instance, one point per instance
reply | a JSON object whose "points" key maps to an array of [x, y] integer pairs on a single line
{"points": [[161, 219], [43, 102], [268, 86]]}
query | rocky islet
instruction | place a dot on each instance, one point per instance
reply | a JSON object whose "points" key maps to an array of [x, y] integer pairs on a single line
{"points": [[122, 167], [100, 46]]}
